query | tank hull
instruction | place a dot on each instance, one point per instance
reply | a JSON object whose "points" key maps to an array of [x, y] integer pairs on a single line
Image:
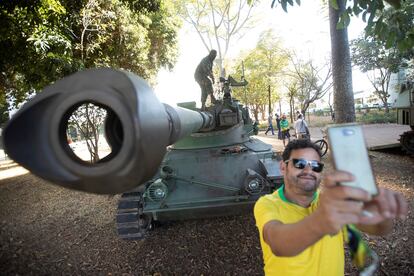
{"points": [[202, 183]]}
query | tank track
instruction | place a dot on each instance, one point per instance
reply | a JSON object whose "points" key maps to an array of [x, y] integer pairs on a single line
{"points": [[131, 222]]}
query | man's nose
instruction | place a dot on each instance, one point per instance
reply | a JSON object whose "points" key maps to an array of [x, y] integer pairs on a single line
{"points": [[308, 168]]}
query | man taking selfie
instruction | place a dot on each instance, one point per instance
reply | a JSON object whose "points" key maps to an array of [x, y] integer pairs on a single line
{"points": [[303, 230]]}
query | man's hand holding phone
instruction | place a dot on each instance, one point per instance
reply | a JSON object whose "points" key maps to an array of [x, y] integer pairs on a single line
{"points": [[387, 205], [351, 160], [341, 205]]}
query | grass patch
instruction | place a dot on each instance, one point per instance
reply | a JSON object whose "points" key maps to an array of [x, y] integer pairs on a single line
{"points": [[363, 117], [377, 117]]}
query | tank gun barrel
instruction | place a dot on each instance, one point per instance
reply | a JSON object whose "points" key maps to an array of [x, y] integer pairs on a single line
{"points": [[138, 128]]}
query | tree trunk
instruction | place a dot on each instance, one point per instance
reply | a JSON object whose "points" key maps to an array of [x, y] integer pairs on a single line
{"points": [[262, 109], [256, 113], [341, 68], [270, 100], [292, 108]]}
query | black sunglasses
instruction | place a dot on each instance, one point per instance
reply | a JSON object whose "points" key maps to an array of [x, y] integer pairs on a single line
{"points": [[302, 163]]}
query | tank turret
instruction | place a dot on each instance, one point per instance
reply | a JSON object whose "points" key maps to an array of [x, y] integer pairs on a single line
{"points": [[171, 162]]}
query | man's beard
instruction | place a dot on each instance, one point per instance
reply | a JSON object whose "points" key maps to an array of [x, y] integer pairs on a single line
{"points": [[305, 182]]}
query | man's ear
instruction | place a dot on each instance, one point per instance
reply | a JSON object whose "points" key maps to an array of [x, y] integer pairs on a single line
{"points": [[282, 167]]}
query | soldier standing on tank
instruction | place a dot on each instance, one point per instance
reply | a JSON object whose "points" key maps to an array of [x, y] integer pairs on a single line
{"points": [[204, 77]]}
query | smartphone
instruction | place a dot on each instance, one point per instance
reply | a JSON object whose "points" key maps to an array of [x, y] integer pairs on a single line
{"points": [[349, 153]]}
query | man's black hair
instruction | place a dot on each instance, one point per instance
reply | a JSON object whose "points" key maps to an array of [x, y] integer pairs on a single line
{"points": [[299, 144]]}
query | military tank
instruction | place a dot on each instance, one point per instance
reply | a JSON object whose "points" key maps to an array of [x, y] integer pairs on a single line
{"points": [[169, 162]]}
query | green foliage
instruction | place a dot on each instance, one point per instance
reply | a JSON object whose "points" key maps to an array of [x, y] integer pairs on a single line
{"points": [[87, 119], [369, 54], [392, 23], [307, 83], [44, 40], [34, 48], [263, 68], [394, 26], [4, 110], [120, 38], [143, 6], [377, 117], [319, 112]]}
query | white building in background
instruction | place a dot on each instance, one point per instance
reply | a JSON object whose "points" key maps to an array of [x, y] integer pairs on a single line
{"points": [[367, 98]]}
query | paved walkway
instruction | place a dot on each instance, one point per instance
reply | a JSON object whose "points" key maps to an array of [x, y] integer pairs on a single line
{"points": [[377, 136]]}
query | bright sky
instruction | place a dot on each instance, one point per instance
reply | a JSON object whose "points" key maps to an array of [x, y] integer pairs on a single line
{"points": [[304, 28]]}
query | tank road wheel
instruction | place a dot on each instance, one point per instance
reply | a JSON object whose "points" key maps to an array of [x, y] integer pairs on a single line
{"points": [[323, 145], [407, 142], [131, 222]]}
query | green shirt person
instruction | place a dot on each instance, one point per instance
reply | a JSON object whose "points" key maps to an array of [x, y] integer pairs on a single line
{"points": [[284, 126]]}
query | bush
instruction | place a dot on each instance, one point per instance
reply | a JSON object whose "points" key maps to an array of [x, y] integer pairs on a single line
{"points": [[377, 117], [262, 126], [319, 112]]}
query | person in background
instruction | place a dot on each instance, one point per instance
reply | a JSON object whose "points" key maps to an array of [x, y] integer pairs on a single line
{"points": [[279, 132], [270, 123], [301, 128], [303, 230], [284, 126]]}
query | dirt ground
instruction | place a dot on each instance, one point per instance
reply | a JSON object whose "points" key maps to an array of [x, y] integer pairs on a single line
{"points": [[48, 230]]}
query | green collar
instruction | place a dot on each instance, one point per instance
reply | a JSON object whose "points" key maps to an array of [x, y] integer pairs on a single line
{"points": [[282, 195]]}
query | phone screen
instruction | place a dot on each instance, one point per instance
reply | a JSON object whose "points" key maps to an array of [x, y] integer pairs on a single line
{"points": [[349, 153]]}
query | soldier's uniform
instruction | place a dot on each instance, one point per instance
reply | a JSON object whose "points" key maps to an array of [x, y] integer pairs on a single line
{"points": [[202, 73]]}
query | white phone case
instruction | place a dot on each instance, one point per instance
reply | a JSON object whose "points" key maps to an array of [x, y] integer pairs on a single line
{"points": [[349, 153]]}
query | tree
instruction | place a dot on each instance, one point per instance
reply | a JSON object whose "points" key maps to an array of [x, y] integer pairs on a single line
{"points": [[339, 17], [36, 31], [53, 38], [4, 109], [331, 110], [46, 38], [217, 22], [393, 25], [264, 65], [311, 82], [292, 93], [256, 93], [112, 35], [371, 56], [88, 119], [341, 65]]}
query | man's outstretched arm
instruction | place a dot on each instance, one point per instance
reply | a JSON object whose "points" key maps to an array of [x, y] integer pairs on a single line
{"points": [[287, 240], [334, 211], [338, 206]]}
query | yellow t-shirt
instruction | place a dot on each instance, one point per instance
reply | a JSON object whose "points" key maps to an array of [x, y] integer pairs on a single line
{"points": [[325, 257]]}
